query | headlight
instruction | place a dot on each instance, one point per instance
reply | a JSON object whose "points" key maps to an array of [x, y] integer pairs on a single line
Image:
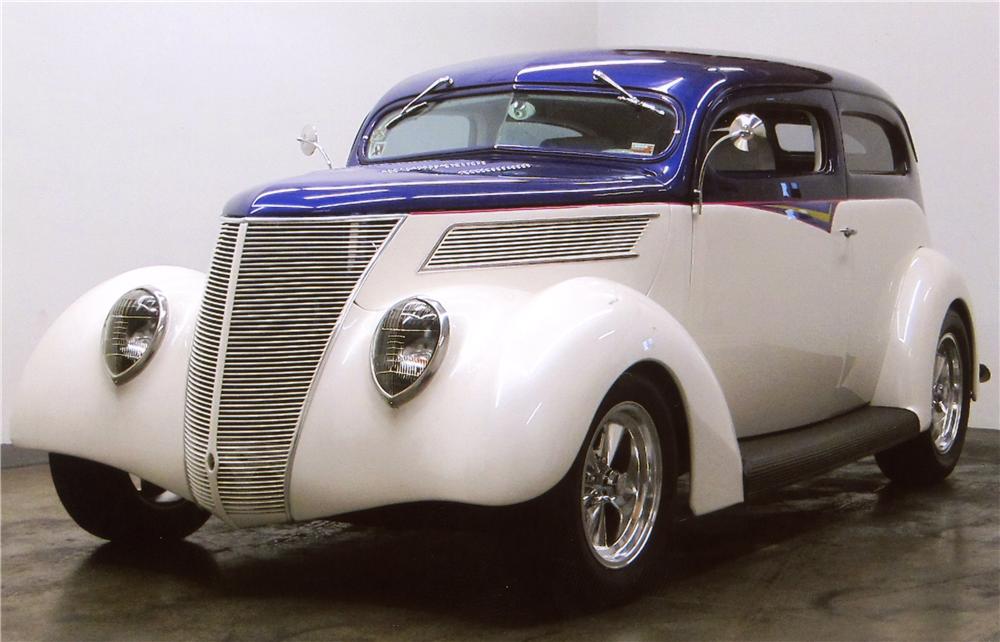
{"points": [[408, 346], [132, 332]]}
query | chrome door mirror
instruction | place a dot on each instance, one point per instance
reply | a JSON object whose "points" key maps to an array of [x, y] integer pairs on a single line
{"points": [[309, 143], [742, 130]]}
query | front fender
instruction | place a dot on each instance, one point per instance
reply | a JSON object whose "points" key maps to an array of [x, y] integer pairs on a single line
{"points": [[67, 403], [929, 286], [505, 415]]}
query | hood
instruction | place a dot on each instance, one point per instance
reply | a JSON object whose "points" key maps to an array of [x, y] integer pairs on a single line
{"points": [[448, 185]]}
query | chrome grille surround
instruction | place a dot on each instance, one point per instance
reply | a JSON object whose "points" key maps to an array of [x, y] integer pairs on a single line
{"points": [[497, 244], [275, 293]]}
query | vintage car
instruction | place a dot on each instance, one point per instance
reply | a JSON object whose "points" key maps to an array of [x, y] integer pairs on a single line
{"points": [[566, 281]]}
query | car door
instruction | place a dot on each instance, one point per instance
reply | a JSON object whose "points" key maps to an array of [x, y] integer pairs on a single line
{"points": [[885, 213], [769, 272]]}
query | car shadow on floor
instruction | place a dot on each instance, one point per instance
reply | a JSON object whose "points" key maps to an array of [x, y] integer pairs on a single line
{"points": [[481, 575]]}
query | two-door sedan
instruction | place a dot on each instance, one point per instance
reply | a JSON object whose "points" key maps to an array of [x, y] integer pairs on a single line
{"points": [[567, 281]]}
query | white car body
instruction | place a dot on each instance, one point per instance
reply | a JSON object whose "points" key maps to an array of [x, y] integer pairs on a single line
{"points": [[759, 322]]}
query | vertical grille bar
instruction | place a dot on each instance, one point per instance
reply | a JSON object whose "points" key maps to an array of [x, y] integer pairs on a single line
{"points": [[201, 383], [293, 279]]}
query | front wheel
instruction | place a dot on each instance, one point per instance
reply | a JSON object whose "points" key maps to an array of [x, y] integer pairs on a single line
{"points": [[611, 510], [110, 504], [932, 455]]}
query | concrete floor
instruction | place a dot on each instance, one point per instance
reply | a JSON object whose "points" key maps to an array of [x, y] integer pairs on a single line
{"points": [[843, 557]]}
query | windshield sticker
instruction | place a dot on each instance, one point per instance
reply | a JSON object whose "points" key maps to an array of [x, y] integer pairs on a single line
{"points": [[646, 149], [521, 110]]}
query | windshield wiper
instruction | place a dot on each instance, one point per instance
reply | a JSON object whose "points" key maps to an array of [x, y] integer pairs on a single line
{"points": [[415, 104], [625, 95]]}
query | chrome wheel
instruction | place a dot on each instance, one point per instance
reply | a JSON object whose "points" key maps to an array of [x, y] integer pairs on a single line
{"points": [[622, 484], [946, 394]]}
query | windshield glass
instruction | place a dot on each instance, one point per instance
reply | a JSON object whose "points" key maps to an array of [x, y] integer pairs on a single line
{"points": [[546, 121]]}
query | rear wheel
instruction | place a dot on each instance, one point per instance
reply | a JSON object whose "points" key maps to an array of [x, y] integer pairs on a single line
{"points": [[933, 454], [612, 509], [114, 505]]}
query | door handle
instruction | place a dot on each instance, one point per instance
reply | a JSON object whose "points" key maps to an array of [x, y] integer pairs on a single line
{"points": [[848, 232]]}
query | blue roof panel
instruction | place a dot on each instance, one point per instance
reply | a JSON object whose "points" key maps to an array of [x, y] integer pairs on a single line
{"points": [[658, 70]]}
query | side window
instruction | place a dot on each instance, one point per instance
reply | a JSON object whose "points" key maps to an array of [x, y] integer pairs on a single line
{"points": [[869, 146], [793, 145]]}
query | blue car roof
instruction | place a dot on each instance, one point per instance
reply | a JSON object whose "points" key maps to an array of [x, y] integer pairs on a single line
{"points": [[689, 76]]}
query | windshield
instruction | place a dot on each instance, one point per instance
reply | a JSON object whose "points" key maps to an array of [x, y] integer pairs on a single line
{"points": [[545, 121]]}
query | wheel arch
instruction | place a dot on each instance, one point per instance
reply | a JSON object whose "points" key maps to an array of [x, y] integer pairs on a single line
{"points": [[665, 383], [961, 307]]}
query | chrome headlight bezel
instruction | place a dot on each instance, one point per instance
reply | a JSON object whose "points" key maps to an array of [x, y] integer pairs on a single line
{"points": [[440, 347], [154, 343]]}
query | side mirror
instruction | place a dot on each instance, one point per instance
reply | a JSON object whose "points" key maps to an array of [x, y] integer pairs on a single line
{"points": [[742, 130], [309, 143], [308, 139]]}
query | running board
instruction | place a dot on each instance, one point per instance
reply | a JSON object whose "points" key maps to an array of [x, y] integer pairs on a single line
{"points": [[779, 459]]}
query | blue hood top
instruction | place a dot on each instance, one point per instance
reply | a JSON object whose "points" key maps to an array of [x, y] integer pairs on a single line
{"points": [[453, 184], [693, 80]]}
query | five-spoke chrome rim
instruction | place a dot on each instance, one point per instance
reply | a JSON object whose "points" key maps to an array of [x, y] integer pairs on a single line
{"points": [[946, 394], [620, 492]]}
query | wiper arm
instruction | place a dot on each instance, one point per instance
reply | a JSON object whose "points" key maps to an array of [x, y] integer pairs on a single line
{"points": [[626, 96], [415, 104]]}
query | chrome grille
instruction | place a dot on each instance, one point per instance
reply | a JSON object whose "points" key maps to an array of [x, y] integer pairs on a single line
{"points": [[275, 293], [477, 245]]}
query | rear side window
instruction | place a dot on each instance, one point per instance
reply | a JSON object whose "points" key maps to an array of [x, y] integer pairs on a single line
{"points": [[796, 138], [869, 146], [793, 144]]}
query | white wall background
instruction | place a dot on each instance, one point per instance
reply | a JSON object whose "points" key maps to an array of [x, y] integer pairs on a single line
{"points": [[126, 127]]}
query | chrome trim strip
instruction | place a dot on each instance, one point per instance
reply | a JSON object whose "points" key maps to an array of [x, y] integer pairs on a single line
{"points": [[213, 423], [278, 220]]}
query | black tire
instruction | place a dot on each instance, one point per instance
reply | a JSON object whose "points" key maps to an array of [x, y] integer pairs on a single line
{"points": [[920, 461], [105, 502], [578, 572]]}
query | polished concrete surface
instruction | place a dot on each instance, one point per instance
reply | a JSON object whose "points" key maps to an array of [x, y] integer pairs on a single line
{"points": [[843, 557]]}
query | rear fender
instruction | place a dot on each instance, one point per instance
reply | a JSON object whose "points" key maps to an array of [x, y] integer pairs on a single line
{"points": [[928, 288]]}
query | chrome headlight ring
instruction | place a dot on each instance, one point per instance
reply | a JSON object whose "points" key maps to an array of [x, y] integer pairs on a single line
{"points": [[133, 330], [408, 347]]}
